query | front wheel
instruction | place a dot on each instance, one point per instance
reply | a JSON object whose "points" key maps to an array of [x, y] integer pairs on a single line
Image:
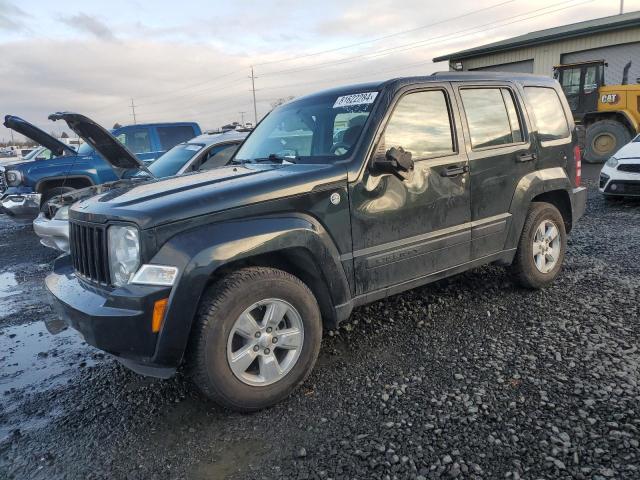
{"points": [[541, 248], [256, 338]]}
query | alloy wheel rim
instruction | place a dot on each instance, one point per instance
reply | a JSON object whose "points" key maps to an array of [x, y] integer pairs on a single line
{"points": [[265, 342], [546, 246]]}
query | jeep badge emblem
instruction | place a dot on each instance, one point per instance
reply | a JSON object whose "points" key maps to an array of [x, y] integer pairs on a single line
{"points": [[335, 198]]}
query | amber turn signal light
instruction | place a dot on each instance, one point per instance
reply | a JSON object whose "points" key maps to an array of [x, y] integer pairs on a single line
{"points": [[159, 309]]}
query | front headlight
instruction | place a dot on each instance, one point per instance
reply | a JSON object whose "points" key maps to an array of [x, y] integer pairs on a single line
{"points": [[124, 253], [612, 162], [62, 213], [14, 177]]}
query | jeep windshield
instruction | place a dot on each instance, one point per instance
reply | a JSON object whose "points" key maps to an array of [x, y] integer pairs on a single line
{"points": [[317, 129]]}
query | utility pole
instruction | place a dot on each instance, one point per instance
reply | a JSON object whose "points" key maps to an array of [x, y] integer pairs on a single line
{"points": [[133, 111], [253, 87], [621, 7], [242, 118]]}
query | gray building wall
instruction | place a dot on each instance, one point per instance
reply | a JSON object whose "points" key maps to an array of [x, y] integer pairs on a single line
{"points": [[616, 56], [546, 56]]}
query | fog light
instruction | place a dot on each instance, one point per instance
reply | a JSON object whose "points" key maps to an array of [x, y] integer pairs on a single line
{"points": [[161, 275], [159, 309]]}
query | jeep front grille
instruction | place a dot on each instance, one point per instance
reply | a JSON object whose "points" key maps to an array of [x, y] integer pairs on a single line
{"points": [[629, 167], [89, 251], [3, 181]]}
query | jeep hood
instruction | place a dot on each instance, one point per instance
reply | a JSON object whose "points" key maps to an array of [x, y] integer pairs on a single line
{"points": [[114, 152], [41, 137], [162, 201]]}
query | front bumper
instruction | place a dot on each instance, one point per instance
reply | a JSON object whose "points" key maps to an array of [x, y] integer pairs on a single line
{"points": [[117, 320], [22, 207], [614, 182], [53, 233], [578, 204]]}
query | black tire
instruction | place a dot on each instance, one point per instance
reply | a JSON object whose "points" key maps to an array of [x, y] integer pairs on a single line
{"points": [[52, 192], [524, 268], [221, 305], [614, 130]]}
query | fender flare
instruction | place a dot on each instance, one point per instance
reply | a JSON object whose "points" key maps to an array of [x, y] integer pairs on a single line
{"points": [[45, 180], [529, 187], [201, 252]]}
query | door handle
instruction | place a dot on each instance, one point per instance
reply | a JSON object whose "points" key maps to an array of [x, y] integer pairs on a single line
{"points": [[454, 170], [526, 157]]}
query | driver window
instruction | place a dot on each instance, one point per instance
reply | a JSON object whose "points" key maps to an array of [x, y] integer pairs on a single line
{"points": [[421, 125]]}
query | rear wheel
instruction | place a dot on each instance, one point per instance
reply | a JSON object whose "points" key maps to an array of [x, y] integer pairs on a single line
{"points": [[603, 139], [256, 338], [541, 248]]}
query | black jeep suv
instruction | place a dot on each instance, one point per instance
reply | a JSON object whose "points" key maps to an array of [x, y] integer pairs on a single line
{"points": [[335, 200]]}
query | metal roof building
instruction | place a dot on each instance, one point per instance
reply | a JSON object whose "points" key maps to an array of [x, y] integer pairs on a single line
{"points": [[615, 39]]}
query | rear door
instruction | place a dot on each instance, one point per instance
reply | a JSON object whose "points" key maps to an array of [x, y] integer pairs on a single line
{"points": [[500, 154]]}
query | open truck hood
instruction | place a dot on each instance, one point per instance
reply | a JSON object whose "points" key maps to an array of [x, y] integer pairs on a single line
{"points": [[41, 137], [114, 152]]}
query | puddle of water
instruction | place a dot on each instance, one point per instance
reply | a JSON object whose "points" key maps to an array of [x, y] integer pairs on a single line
{"points": [[31, 356], [33, 360]]}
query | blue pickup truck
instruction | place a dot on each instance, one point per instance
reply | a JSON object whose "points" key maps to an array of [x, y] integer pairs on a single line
{"points": [[26, 186]]}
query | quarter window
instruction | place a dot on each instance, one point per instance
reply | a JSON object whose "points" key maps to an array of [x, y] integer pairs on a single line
{"points": [[420, 124], [492, 117], [548, 113]]}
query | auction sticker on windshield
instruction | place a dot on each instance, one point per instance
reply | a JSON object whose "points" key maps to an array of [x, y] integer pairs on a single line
{"points": [[355, 99]]}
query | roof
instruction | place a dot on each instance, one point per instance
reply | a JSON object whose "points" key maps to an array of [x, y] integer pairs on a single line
{"points": [[214, 138], [598, 25]]}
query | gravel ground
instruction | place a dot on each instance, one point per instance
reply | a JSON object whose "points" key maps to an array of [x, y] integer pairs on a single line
{"points": [[471, 377]]}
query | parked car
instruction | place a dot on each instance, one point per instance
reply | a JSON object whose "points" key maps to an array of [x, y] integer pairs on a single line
{"points": [[25, 187], [235, 271], [204, 152], [620, 175]]}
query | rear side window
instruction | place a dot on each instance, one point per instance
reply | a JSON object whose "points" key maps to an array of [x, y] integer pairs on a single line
{"points": [[548, 113], [171, 136], [492, 117], [420, 124]]}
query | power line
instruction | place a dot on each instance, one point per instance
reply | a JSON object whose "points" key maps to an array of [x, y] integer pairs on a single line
{"points": [[415, 44], [384, 37]]}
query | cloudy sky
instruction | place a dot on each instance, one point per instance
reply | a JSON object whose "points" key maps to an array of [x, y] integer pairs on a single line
{"points": [[191, 60]]}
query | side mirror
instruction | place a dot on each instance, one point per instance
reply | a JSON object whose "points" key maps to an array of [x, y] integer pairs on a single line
{"points": [[396, 161]]}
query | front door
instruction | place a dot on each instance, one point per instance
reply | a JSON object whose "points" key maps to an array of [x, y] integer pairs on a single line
{"points": [[407, 228]]}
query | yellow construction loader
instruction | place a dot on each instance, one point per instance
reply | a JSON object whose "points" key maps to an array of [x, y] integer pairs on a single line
{"points": [[610, 113]]}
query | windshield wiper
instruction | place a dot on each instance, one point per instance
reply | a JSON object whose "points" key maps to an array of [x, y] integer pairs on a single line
{"points": [[274, 157]]}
